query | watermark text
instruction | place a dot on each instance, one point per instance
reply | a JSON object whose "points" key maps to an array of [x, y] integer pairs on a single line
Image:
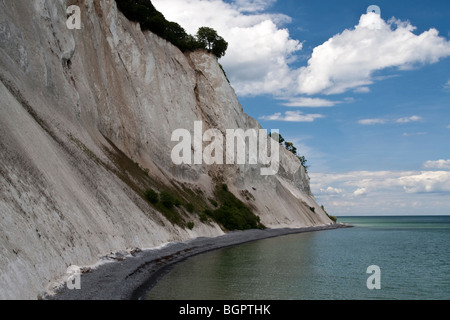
{"points": [[374, 281], [229, 148]]}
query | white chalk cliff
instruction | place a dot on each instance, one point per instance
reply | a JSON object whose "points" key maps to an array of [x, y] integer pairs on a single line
{"points": [[83, 113]]}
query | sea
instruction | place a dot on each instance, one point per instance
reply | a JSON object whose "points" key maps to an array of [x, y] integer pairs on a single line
{"points": [[379, 258]]}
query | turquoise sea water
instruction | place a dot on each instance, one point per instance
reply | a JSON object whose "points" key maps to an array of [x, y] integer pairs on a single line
{"points": [[413, 254]]}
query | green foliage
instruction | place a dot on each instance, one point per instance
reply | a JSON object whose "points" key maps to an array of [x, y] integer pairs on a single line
{"points": [[224, 73], [190, 225], [333, 218], [213, 202], [190, 207], [165, 203], [168, 200], [211, 41], [145, 13], [208, 213], [203, 217], [151, 196], [206, 36], [303, 161], [290, 147], [233, 214]]}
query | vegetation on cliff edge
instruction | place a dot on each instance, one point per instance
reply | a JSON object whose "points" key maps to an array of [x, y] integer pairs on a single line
{"points": [[149, 18]]}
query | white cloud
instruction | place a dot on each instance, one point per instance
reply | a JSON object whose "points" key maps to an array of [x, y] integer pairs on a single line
{"points": [[414, 134], [331, 190], [409, 119], [362, 90], [360, 192], [368, 122], [384, 121], [428, 181], [309, 102], [349, 59], [292, 116], [439, 164]]}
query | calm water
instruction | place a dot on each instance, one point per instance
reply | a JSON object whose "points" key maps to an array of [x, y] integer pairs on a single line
{"points": [[413, 254]]}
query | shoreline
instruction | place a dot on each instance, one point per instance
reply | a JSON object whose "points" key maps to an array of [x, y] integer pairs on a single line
{"points": [[129, 277]]}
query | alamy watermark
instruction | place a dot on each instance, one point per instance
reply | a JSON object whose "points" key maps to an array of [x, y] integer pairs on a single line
{"points": [[74, 19], [375, 9], [73, 282], [229, 148], [374, 281]]}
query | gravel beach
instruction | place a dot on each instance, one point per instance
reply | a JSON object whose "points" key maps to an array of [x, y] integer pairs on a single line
{"points": [[129, 276]]}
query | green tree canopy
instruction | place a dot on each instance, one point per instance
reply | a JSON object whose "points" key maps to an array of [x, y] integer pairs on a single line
{"points": [[290, 147], [211, 41]]}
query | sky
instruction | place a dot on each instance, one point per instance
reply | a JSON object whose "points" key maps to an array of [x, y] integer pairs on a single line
{"points": [[363, 95]]}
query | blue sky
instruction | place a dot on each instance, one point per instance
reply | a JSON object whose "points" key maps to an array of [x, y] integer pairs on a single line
{"points": [[366, 98]]}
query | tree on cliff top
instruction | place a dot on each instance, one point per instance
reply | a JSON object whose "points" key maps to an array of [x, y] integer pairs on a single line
{"points": [[211, 41]]}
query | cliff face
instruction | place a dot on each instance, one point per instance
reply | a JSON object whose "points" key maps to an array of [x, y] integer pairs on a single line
{"points": [[84, 114]]}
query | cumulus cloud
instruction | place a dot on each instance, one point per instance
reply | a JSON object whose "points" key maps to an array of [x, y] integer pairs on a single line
{"points": [[439, 164], [292, 116], [309, 102], [384, 121], [428, 181], [387, 191], [360, 192], [368, 122], [331, 190], [349, 59], [409, 119]]}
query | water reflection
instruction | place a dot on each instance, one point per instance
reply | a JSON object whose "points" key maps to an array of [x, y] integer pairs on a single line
{"points": [[248, 271]]}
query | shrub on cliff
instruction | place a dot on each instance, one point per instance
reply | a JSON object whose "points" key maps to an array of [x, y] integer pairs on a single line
{"points": [[233, 214], [189, 207], [167, 199], [151, 196], [333, 218]]}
